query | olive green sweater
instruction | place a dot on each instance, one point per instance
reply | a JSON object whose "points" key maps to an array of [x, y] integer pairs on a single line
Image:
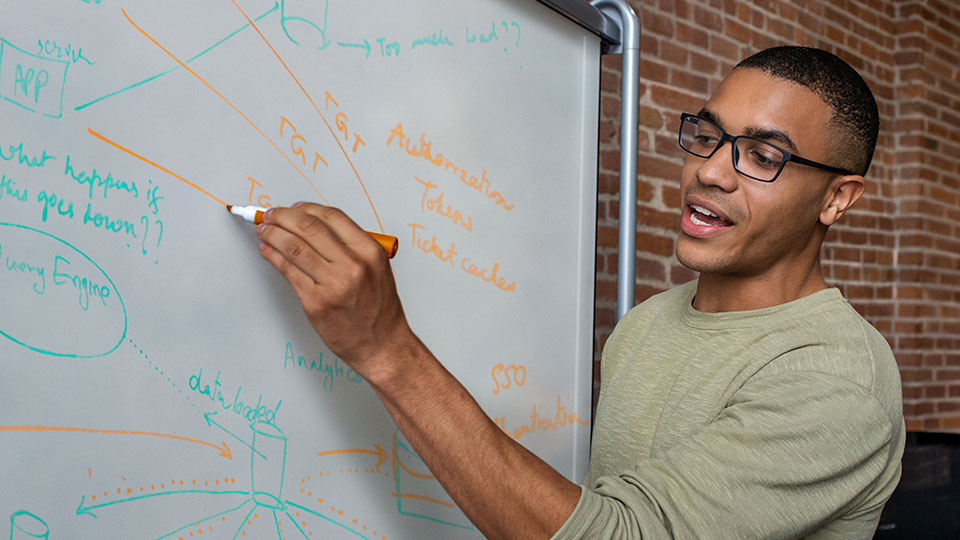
{"points": [[783, 422]]}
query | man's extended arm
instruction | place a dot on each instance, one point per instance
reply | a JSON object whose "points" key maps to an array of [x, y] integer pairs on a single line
{"points": [[343, 280]]}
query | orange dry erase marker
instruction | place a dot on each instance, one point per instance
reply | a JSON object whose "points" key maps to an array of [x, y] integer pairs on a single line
{"points": [[254, 214]]}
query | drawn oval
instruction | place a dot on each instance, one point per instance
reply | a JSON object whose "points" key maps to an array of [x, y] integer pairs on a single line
{"points": [[57, 300]]}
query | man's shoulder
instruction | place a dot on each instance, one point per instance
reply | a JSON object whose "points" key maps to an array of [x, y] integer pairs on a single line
{"points": [[835, 341]]}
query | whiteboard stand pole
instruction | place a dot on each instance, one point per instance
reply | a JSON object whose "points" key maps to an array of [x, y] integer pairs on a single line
{"points": [[626, 19]]}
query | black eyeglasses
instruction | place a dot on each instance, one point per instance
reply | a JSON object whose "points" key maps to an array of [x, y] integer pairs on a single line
{"points": [[752, 157]]}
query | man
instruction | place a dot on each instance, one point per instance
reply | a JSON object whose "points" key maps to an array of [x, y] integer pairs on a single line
{"points": [[751, 403]]}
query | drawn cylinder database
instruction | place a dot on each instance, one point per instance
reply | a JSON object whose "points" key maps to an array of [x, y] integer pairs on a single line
{"points": [[305, 22], [267, 459], [24, 526]]}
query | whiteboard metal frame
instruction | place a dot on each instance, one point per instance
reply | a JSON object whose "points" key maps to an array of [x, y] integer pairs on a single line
{"points": [[617, 25], [629, 46], [588, 17]]}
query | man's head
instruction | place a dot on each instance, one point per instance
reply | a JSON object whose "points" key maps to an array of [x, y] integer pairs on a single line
{"points": [[855, 122], [809, 104]]}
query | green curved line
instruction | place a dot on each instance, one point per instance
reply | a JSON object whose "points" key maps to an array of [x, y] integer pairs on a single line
{"points": [[88, 509], [323, 31], [119, 296], [13, 524]]}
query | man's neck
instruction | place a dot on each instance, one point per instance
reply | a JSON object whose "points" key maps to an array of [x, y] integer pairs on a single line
{"points": [[718, 293]]}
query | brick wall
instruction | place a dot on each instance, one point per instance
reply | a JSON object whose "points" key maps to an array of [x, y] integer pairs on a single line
{"points": [[896, 256]]}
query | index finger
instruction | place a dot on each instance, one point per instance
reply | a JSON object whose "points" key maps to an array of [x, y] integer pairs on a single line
{"points": [[347, 231], [306, 227]]}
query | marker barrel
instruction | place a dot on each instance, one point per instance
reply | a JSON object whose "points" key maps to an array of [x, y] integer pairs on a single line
{"points": [[390, 244], [254, 214]]}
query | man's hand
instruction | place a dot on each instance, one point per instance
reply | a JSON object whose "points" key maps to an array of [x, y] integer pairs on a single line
{"points": [[343, 280]]}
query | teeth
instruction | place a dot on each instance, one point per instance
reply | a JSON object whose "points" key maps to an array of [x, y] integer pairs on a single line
{"points": [[703, 211], [697, 221]]}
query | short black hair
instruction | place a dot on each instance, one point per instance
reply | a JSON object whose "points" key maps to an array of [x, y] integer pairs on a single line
{"points": [[855, 114]]}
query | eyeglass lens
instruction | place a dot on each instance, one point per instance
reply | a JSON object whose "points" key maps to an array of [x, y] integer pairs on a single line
{"points": [[751, 157]]}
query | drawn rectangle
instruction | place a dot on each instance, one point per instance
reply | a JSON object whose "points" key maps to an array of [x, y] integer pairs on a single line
{"points": [[32, 82]]}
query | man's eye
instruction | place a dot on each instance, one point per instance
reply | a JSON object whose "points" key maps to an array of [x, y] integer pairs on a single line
{"points": [[764, 160]]}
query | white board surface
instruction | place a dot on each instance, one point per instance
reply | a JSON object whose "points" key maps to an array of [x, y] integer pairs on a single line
{"points": [[159, 379]]}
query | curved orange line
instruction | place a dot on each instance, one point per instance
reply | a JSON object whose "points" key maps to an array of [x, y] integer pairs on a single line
{"points": [[414, 474], [162, 168], [348, 451], [107, 432], [221, 96], [322, 117]]}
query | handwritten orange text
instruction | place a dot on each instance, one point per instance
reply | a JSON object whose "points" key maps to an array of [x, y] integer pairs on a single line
{"points": [[539, 423], [341, 123], [480, 185], [431, 246], [435, 205], [263, 200], [506, 376], [488, 274], [297, 142]]}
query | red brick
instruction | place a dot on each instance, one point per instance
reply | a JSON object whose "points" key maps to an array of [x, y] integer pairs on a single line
{"points": [[653, 71], [673, 54], [689, 81], [659, 168], [948, 374], [656, 23], [675, 100], [692, 35], [650, 117], [655, 243], [949, 424], [708, 19], [670, 196], [668, 221], [707, 65], [650, 269], [726, 48], [736, 31]]}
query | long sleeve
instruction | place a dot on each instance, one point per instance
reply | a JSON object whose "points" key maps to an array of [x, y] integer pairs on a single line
{"points": [[789, 453], [784, 422]]}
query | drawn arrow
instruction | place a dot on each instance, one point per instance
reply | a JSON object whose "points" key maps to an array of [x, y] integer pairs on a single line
{"points": [[381, 454], [88, 510], [209, 418], [223, 448], [364, 46]]}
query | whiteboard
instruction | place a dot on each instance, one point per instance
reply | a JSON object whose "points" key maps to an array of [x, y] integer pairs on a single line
{"points": [[159, 378]]}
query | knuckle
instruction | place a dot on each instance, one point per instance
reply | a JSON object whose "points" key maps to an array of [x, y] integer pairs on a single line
{"points": [[296, 248], [372, 252], [286, 266], [310, 224], [355, 271], [335, 216], [329, 211], [313, 306]]}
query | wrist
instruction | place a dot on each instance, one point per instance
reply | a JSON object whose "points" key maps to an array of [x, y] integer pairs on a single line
{"points": [[394, 363]]}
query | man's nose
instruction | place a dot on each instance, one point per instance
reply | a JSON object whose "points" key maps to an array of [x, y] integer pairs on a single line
{"points": [[718, 170]]}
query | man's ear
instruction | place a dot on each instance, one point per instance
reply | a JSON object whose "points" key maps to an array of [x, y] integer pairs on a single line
{"points": [[843, 192]]}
